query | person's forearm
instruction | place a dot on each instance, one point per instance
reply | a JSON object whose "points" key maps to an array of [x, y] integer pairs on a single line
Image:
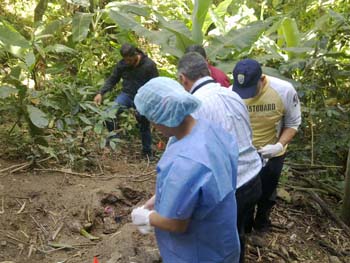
{"points": [[287, 136], [167, 224]]}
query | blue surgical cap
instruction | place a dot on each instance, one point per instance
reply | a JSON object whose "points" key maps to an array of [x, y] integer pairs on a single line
{"points": [[164, 101]]}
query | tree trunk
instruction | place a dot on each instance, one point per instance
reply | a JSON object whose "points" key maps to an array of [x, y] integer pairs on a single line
{"points": [[346, 200], [40, 10]]}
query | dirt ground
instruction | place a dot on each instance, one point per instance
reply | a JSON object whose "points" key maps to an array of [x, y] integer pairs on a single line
{"points": [[42, 210]]}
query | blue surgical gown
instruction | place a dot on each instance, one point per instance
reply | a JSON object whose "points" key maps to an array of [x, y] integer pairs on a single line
{"points": [[197, 181]]}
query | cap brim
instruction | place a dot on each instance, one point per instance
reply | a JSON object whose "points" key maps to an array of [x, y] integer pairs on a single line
{"points": [[246, 92]]}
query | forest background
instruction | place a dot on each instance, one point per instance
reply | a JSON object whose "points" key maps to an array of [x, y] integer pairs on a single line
{"points": [[55, 55]]}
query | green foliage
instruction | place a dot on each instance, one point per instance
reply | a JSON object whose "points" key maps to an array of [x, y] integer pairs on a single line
{"points": [[53, 69]]}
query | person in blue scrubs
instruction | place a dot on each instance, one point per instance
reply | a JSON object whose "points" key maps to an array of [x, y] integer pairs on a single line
{"points": [[194, 208]]}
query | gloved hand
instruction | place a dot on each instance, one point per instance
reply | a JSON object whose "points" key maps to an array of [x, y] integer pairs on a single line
{"points": [[145, 229], [271, 150], [140, 216]]}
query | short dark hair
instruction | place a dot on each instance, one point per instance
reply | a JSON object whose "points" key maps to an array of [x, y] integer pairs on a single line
{"points": [[197, 48], [128, 50], [193, 66]]}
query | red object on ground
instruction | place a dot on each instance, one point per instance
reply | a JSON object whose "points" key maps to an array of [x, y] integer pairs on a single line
{"points": [[95, 260], [160, 145]]}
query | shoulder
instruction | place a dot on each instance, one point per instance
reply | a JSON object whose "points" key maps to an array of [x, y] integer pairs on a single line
{"points": [[280, 84], [284, 88], [147, 61]]}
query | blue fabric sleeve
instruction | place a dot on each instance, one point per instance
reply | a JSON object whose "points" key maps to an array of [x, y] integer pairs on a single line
{"points": [[181, 188]]}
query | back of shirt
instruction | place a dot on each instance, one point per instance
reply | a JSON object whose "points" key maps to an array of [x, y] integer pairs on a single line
{"points": [[195, 182], [219, 76], [226, 108]]}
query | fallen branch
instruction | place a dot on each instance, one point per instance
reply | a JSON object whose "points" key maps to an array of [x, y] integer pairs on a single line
{"points": [[306, 189], [12, 167], [326, 188], [329, 212], [18, 167], [66, 171], [314, 166]]}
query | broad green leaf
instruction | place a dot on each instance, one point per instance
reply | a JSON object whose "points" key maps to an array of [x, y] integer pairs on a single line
{"points": [[87, 128], [245, 37], [300, 50], [98, 128], [199, 13], [179, 30], [7, 91], [59, 48], [85, 120], [81, 24], [135, 8], [49, 150], [103, 142], [60, 125], [216, 15], [12, 40], [125, 21], [30, 60], [52, 27], [37, 117], [290, 33]]}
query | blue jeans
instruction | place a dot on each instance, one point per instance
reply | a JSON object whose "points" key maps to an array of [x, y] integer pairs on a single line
{"points": [[123, 101]]}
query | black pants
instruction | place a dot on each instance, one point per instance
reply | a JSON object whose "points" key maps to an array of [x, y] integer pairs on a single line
{"points": [[269, 176], [247, 196]]}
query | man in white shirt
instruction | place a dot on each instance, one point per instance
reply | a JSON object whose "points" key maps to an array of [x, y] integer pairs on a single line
{"points": [[226, 108]]}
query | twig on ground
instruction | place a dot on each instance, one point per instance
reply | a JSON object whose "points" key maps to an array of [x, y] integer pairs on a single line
{"points": [[126, 176], [314, 166], [58, 230], [21, 167], [31, 249], [61, 246], [24, 234], [18, 240], [18, 167], [43, 230], [66, 171], [22, 208], [12, 167], [307, 189], [2, 206], [141, 180]]}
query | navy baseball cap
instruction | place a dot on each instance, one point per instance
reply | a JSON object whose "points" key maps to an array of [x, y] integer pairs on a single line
{"points": [[246, 74]]}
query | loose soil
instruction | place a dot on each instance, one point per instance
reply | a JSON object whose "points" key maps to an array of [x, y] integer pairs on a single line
{"points": [[41, 211]]}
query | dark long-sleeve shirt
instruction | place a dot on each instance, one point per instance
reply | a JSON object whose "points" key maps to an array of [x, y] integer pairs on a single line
{"points": [[133, 77]]}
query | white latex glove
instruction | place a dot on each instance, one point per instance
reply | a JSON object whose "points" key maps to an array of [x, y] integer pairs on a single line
{"points": [[145, 229], [140, 216], [271, 150]]}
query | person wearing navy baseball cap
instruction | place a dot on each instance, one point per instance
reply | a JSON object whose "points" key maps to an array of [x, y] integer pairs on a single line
{"points": [[275, 116], [246, 74]]}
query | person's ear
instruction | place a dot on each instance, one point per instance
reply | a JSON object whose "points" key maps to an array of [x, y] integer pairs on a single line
{"points": [[182, 78]]}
